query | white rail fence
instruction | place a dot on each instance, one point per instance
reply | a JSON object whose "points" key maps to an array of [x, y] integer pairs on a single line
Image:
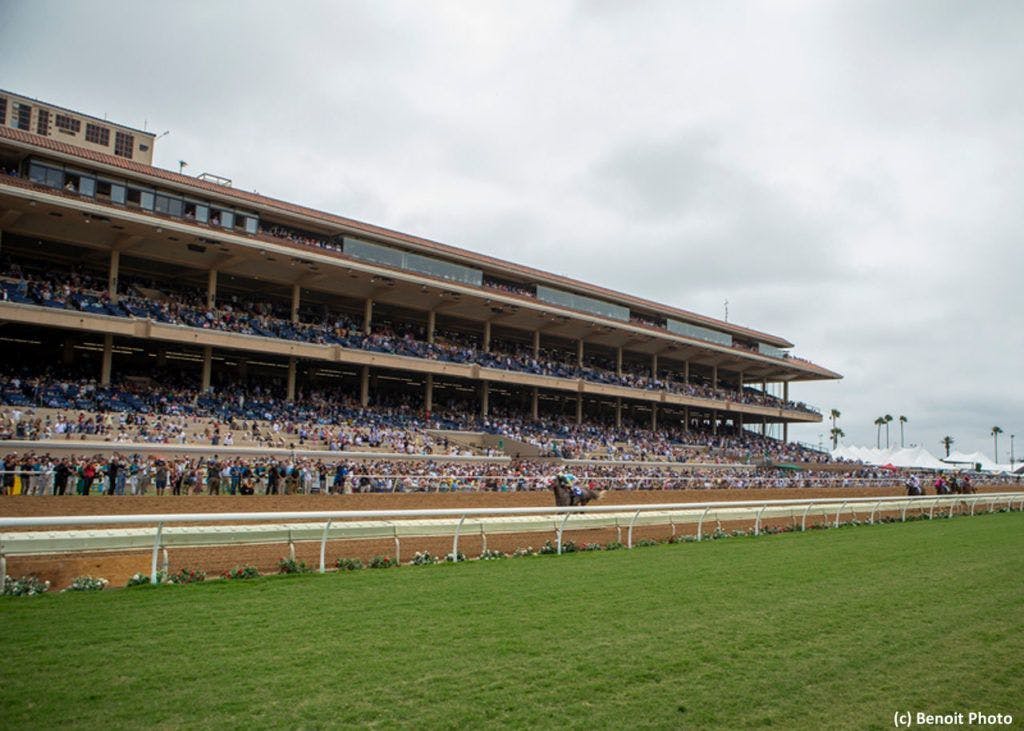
{"points": [[162, 532]]}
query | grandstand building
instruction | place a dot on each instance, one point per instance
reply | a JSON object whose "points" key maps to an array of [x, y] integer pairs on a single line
{"points": [[324, 299]]}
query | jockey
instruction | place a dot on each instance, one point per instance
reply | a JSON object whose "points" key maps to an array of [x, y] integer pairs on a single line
{"points": [[569, 480]]}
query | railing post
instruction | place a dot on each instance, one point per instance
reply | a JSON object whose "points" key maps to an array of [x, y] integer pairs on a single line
{"points": [[757, 521], [560, 530], [455, 542], [992, 505], [952, 504], [156, 551], [974, 501], [871, 518], [700, 524], [483, 538], [398, 546], [3, 571], [803, 521], [629, 539], [931, 511], [838, 513], [323, 548], [903, 513], [166, 563]]}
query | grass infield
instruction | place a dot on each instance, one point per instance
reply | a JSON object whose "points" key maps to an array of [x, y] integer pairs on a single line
{"points": [[837, 628]]}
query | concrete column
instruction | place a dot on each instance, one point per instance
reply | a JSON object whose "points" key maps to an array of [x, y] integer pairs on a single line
{"points": [[618, 362], [739, 383], [207, 366], [291, 379], [785, 390], [764, 426], [535, 404], [739, 421], [686, 371], [68, 356], [485, 398], [579, 408], [367, 315], [618, 409], [364, 386], [536, 343], [579, 353], [487, 337], [431, 325], [108, 359], [714, 423], [654, 365], [115, 262], [686, 419], [428, 394], [785, 431], [654, 417], [211, 288], [714, 377], [296, 298]]}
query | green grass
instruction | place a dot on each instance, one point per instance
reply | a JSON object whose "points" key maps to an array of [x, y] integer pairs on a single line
{"points": [[837, 628]]}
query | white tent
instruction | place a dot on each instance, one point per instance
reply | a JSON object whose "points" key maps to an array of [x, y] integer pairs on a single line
{"points": [[913, 457], [968, 461]]}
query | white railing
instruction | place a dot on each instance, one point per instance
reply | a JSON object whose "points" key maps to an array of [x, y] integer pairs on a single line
{"points": [[265, 527]]}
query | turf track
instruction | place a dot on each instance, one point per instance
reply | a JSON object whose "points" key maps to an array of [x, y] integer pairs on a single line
{"points": [[836, 628]]}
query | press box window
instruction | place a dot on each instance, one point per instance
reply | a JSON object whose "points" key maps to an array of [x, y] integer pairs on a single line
{"points": [[43, 123], [68, 125], [124, 144], [97, 135]]}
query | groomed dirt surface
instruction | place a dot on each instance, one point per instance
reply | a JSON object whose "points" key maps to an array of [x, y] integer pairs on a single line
{"points": [[118, 567]]}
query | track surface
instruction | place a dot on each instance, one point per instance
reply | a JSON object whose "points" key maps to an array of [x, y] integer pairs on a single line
{"points": [[118, 567]]}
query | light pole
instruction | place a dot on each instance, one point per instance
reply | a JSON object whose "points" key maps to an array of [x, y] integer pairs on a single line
{"points": [[1011, 451]]}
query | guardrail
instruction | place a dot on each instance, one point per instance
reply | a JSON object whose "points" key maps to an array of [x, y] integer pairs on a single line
{"points": [[321, 526]]}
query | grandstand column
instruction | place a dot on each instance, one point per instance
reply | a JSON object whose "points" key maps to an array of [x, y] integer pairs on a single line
{"points": [[211, 288], [108, 357], [536, 343], [485, 397], [291, 379], [579, 353], [654, 365], [618, 362], [431, 326], [764, 426], [207, 366], [535, 404], [686, 371], [296, 298], [487, 336], [428, 394], [579, 408], [739, 421], [654, 416], [739, 384], [714, 421], [367, 315], [618, 409], [686, 419], [364, 386], [115, 261], [714, 376], [69, 352]]}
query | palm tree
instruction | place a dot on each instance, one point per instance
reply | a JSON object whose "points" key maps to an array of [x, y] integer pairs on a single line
{"points": [[837, 434], [903, 420], [947, 442], [996, 431], [887, 418], [878, 438], [834, 414]]}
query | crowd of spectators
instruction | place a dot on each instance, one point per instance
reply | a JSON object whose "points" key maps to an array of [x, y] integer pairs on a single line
{"points": [[135, 474], [85, 293]]}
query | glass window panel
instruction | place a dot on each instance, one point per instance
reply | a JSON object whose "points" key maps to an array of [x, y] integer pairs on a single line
{"points": [[117, 193], [227, 219], [700, 333], [54, 178], [372, 252], [175, 207], [202, 213], [162, 204], [251, 224], [146, 199], [87, 186], [580, 302], [37, 173]]}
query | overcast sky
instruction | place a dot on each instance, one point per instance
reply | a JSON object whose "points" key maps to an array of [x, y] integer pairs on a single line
{"points": [[846, 175]]}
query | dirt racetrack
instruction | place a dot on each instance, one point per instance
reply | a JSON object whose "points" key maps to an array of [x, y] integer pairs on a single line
{"points": [[118, 567]]}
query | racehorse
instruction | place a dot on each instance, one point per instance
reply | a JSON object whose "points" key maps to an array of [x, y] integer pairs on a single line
{"points": [[565, 496]]}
